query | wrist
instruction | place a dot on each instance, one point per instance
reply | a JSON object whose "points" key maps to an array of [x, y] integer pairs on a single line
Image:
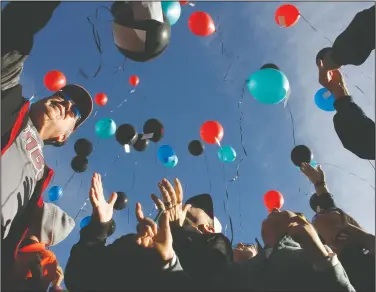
{"points": [[321, 188], [340, 91]]}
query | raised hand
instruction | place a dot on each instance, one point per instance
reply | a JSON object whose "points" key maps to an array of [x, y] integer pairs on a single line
{"points": [[102, 209], [315, 175], [172, 201], [150, 236]]}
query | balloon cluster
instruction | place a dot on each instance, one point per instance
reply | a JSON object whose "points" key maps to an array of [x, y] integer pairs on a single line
{"points": [[83, 149], [127, 135]]}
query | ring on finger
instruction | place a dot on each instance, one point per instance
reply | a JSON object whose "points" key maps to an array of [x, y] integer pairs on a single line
{"points": [[167, 204]]}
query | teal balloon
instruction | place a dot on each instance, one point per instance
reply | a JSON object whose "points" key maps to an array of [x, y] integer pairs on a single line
{"points": [[165, 153], [172, 10], [226, 154], [85, 221], [105, 128], [269, 86], [172, 162]]}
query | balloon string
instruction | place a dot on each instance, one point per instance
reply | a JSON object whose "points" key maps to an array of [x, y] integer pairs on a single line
{"points": [[124, 101], [371, 164], [116, 159], [38, 93], [208, 172], [132, 188], [292, 124], [120, 68], [225, 204], [353, 174], [96, 111], [68, 181]]}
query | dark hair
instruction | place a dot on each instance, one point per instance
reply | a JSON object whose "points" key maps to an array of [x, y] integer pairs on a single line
{"points": [[54, 142]]}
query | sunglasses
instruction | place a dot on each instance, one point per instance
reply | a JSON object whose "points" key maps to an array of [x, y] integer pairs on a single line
{"points": [[74, 108]]}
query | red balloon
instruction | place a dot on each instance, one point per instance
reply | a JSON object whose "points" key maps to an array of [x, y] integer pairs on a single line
{"points": [[54, 80], [101, 99], [211, 131], [183, 2], [273, 199], [287, 15], [201, 24], [134, 80]]}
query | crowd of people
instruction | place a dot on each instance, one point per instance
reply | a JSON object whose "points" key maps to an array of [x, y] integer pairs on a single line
{"points": [[183, 248]]}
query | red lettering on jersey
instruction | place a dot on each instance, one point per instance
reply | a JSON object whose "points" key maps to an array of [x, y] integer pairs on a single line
{"points": [[37, 158], [31, 143]]}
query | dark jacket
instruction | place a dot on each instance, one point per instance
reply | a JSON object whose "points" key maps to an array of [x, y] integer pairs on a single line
{"points": [[354, 45], [288, 268], [355, 130], [121, 265], [202, 256], [20, 22], [359, 265]]}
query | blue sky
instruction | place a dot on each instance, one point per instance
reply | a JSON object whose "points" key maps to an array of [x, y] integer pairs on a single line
{"points": [[184, 88]]}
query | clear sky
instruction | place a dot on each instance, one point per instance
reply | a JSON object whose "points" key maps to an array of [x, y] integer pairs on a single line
{"points": [[184, 88]]}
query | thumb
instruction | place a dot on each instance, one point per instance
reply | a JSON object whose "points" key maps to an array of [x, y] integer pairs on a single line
{"points": [[112, 199], [186, 208], [319, 168]]}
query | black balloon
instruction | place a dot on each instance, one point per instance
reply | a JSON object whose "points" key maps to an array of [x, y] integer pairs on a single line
{"points": [[121, 201], [155, 127], [301, 153], [112, 228], [196, 148], [83, 147], [270, 66], [140, 144], [144, 38], [79, 164], [126, 134], [321, 54]]}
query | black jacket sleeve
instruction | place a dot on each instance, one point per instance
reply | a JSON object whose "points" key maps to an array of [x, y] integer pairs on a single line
{"points": [[355, 130], [20, 22], [322, 202], [356, 42]]}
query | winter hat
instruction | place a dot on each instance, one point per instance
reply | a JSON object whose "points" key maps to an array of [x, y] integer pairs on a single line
{"points": [[51, 224]]}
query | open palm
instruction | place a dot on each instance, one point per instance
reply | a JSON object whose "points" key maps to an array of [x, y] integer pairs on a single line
{"points": [[101, 208]]}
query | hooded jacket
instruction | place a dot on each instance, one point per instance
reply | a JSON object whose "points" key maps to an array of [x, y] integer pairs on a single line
{"points": [[286, 267], [122, 265], [20, 22]]}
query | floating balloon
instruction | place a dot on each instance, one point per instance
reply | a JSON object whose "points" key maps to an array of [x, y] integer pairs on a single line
{"points": [[121, 201], [126, 134], [226, 154], [83, 147], [155, 127], [172, 10], [273, 199], [196, 148], [105, 128], [324, 100], [55, 193], [201, 24], [172, 162], [101, 99], [269, 86], [134, 80], [141, 31], [287, 15], [211, 131], [79, 164], [54, 80], [85, 221], [140, 144], [165, 152], [270, 66], [300, 154]]}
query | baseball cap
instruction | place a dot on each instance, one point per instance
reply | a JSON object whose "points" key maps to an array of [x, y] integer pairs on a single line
{"points": [[205, 203], [321, 54], [81, 98]]}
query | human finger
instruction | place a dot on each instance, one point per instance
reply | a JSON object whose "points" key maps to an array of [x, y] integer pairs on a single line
{"points": [[93, 198], [165, 195], [139, 213], [157, 201], [167, 185], [113, 199], [178, 191], [164, 225]]}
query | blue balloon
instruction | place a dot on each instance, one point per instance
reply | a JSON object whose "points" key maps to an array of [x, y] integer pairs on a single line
{"points": [[105, 128], [55, 193], [226, 154], [172, 10], [313, 163], [165, 152], [324, 100], [172, 162], [269, 86], [85, 221]]}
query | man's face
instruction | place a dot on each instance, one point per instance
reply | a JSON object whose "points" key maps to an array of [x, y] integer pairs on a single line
{"points": [[244, 252], [274, 227], [54, 117]]}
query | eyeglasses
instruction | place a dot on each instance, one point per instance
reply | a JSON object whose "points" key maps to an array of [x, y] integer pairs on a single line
{"points": [[74, 109]]}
